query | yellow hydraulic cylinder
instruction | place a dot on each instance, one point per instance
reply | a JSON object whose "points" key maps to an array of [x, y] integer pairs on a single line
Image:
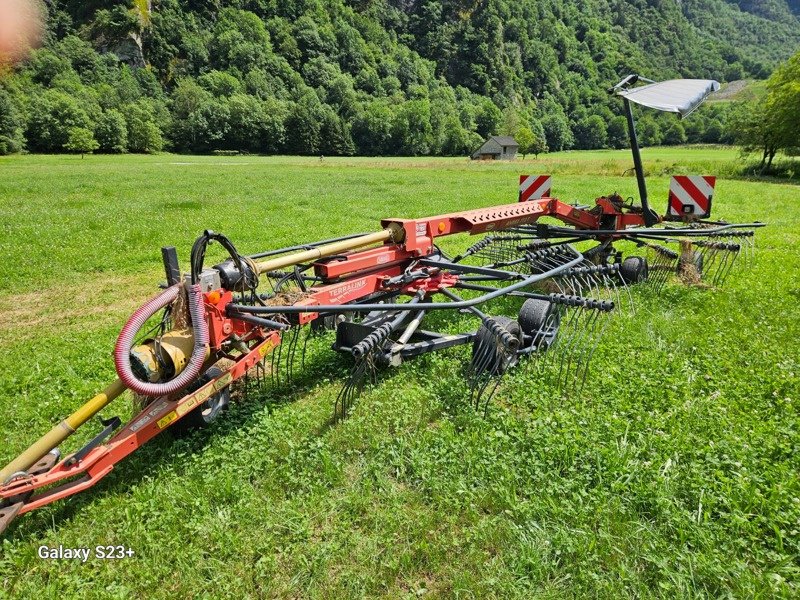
{"points": [[328, 250], [61, 431]]}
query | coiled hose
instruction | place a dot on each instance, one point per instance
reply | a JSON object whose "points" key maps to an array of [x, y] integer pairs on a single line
{"points": [[122, 349]]}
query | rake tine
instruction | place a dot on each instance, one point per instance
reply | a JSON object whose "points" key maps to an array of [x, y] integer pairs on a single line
{"points": [[668, 266], [293, 351], [612, 283], [598, 280], [264, 382], [351, 389], [477, 389], [555, 353], [490, 395], [261, 372], [493, 378], [477, 372], [581, 286], [628, 293], [575, 286], [591, 352], [590, 281], [581, 329], [565, 351], [664, 267], [287, 359], [655, 272], [275, 361], [287, 362], [489, 364], [727, 273], [721, 263], [745, 249], [730, 257], [571, 376], [284, 357], [539, 337], [700, 247], [586, 330], [710, 261], [309, 333], [567, 341]]}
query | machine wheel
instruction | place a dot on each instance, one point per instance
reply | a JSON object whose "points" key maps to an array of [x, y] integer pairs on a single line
{"points": [[489, 354], [697, 261], [205, 414], [533, 319], [634, 269]]}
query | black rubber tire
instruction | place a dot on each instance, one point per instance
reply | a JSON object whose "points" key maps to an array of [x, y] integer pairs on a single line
{"points": [[485, 341], [697, 260], [206, 413], [534, 315], [634, 269]]}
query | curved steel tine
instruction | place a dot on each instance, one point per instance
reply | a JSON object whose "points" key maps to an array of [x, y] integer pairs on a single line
{"points": [[582, 328], [547, 357], [627, 288], [539, 337], [565, 348], [351, 389], [598, 337], [578, 288], [275, 362], [596, 285], [565, 351], [612, 283], [490, 395], [593, 290], [589, 327], [482, 375], [587, 331], [476, 369], [309, 333], [722, 262], [290, 350], [481, 385], [731, 261], [710, 265], [668, 266]]}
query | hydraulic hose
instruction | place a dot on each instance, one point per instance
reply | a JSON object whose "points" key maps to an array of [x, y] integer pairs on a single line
{"points": [[199, 329]]}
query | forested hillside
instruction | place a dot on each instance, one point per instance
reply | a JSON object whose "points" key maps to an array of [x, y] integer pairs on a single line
{"points": [[373, 76]]}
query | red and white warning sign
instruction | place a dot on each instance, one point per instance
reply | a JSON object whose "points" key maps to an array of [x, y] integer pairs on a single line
{"points": [[533, 187], [690, 195]]}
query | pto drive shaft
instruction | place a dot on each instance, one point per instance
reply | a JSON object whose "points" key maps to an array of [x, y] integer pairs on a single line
{"points": [[61, 431]]}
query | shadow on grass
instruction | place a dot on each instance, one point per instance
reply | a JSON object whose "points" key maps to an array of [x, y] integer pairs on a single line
{"points": [[786, 171]]}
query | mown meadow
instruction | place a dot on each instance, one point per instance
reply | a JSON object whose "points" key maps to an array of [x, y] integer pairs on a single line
{"points": [[672, 473]]}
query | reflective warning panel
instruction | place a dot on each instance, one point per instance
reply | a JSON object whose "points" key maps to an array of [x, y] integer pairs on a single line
{"points": [[690, 196], [533, 187]]}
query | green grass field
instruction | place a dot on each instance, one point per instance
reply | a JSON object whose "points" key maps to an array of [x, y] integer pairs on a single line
{"points": [[674, 472]]}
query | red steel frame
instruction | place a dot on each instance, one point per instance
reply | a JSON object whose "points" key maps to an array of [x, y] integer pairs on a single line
{"points": [[351, 277]]}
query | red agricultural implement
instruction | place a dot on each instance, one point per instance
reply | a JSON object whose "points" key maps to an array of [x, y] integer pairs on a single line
{"points": [[241, 318]]}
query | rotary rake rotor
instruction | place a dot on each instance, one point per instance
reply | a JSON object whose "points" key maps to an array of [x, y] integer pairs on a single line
{"points": [[524, 291]]}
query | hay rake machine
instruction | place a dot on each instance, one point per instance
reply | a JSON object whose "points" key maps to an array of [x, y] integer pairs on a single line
{"points": [[181, 351]]}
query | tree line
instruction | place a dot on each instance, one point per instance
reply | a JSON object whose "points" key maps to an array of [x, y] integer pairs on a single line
{"points": [[769, 122], [339, 78]]}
